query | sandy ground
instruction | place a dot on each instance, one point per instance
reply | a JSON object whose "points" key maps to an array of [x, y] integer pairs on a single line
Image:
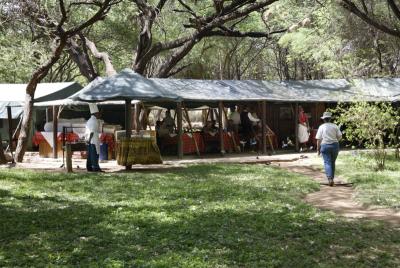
{"points": [[33, 161], [338, 199]]}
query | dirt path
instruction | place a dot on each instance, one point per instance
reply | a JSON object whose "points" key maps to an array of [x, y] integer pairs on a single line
{"points": [[339, 198]]}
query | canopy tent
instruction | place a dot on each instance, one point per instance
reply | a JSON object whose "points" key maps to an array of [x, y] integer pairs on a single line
{"points": [[387, 88], [199, 92], [70, 102], [126, 85], [14, 95]]}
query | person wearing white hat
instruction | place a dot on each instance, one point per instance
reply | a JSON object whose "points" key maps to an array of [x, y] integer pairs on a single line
{"points": [[328, 137], [92, 139]]}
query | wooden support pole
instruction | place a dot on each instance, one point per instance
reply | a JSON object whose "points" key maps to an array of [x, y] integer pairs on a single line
{"points": [[264, 127], [128, 118], [191, 130], [137, 117], [55, 129], [10, 131], [212, 115], [179, 129], [220, 127], [68, 161], [207, 115], [233, 135], [47, 114], [296, 125], [133, 117], [128, 123]]}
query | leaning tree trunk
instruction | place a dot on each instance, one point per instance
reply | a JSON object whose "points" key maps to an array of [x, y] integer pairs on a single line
{"points": [[81, 58], [25, 127], [36, 78]]}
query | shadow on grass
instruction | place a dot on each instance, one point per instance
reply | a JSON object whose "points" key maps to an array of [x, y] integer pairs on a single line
{"points": [[204, 217]]}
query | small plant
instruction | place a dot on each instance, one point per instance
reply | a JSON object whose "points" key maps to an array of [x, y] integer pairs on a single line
{"points": [[370, 124]]}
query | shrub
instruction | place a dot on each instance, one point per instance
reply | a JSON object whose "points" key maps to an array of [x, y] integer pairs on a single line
{"points": [[372, 124]]}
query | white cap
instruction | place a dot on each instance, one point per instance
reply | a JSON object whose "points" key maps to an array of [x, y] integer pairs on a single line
{"points": [[93, 108], [326, 115]]}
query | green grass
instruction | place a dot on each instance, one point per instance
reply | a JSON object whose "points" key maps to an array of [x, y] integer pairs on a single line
{"points": [[380, 188], [200, 216]]}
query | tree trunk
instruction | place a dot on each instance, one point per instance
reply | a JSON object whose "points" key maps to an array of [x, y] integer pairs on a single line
{"points": [[3, 159], [36, 78], [25, 128]]}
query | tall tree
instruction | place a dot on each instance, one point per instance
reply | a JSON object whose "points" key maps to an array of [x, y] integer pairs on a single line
{"points": [[56, 22], [197, 20]]}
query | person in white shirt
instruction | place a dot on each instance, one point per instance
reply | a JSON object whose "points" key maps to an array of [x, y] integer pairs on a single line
{"points": [[235, 119], [92, 139], [168, 122], [328, 137]]}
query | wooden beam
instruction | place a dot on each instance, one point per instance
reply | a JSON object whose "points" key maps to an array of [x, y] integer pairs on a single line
{"points": [[207, 115], [128, 118], [233, 134], [47, 114], [264, 127], [68, 161], [220, 127], [55, 129], [179, 129], [296, 125], [10, 131], [137, 117], [128, 123], [191, 130]]}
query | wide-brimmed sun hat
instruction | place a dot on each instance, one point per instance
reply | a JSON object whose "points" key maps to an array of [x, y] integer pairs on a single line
{"points": [[326, 115]]}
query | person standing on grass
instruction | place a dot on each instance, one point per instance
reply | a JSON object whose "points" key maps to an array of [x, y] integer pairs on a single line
{"points": [[328, 137], [92, 139]]}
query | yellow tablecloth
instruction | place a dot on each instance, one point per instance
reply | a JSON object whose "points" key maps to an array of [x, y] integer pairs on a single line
{"points": [[131, 151]]}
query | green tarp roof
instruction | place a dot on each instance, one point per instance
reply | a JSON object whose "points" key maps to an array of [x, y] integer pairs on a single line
{"points": [[14, 95], [198, 92], [126, 85]]}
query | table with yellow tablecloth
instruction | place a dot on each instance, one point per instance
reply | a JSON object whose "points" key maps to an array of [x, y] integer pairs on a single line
{"points": [[137, 150]]}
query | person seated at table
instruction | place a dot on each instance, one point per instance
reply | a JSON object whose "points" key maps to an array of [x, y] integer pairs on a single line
{"points": [[210, 128], [168, 122]]}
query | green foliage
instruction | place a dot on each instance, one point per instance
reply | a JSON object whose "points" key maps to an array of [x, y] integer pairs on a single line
{"points": [[199, 216], [372, 124], [18, 57]]}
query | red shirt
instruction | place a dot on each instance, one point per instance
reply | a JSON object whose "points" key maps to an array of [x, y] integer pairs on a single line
{"points": [[302, 118]]}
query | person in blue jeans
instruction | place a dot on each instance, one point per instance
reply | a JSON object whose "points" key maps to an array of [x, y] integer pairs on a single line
{"points": [[328, 136]]}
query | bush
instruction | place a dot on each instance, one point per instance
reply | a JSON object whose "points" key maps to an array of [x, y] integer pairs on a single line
{"points": [[371, 124]]}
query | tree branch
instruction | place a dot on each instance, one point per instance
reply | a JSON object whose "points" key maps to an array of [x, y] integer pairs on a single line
{"points": [[102, 56], [99, 15], [234, 33], [394, 8], [350, 6]]}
